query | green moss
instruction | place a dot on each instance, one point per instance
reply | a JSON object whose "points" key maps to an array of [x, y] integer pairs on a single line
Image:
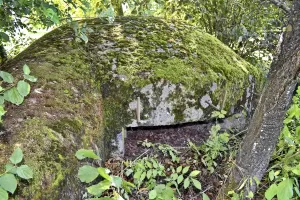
{"points": [[84, 90]]}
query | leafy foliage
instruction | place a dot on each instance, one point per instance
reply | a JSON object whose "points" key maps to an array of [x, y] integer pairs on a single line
{"points": [[14, 92], [108, 182], [13, 172]]}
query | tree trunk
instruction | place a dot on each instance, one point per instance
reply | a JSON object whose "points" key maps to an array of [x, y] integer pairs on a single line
{"points": [[264, 130]]}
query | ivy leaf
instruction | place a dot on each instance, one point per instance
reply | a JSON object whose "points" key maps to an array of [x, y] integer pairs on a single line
{"points": [[23, 88], [99, 188], [7, 77], [196, 183], [152, 194], [87, 173], [285, 190], [25, 172], [30, 78], [84, 153], [3, 193], [12, 95], [17, 156], [186, 183], [104, 173], [26, 69], [8, 182], [180, 179], [178, 170]]}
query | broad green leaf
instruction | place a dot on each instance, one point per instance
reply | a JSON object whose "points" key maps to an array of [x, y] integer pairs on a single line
{"points": [[3, 193], [10, 168], [285, 190], [8, 182], [104, 173], [84, 153], [30, 78], [87, 173], [3, 35], [186, 183], [194, 173], [116, 181], [7, 77], [271, 192], [196, 183], [26, 69], [17, 156], [12, 95], [99, 188], [205, 197], [152, 194], [185, 170], [23, 88], [25, 172]]}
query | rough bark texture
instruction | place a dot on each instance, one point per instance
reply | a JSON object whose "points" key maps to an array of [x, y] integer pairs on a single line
{"points": [[261, 139], [86, 92]]}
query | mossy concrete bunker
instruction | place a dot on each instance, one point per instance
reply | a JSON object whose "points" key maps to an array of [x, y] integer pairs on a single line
{"points": [[134, 72]]}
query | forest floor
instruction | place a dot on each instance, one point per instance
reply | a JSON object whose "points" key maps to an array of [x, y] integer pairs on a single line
{"points": [[179, 138]]}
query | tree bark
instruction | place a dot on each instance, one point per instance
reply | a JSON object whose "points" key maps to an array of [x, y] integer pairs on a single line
{"points": [[264, 130]]}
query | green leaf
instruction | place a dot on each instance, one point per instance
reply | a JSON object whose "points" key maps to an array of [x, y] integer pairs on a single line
{"points": [[205, 197], [7, 77], [186, 183], [178, 170], [84, 153], [149, 174], [23, 88], [194, 173], [104, 173], [10, 168], [285, 190], [196, 183], [117, 181], [99, 188], [26, 69], [1, 99], [271, 175], [185, 170], [12, 95], [152, 194], [8, 182], [3, 35], [180, 179], [25, 172], [17, 156], [87, 173], [271, 192], [30, 78], [3, 193]]}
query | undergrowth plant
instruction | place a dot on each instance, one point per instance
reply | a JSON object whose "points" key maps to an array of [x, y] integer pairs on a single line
{"points": [[12, 91], [13, 173], [105, 186]]}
